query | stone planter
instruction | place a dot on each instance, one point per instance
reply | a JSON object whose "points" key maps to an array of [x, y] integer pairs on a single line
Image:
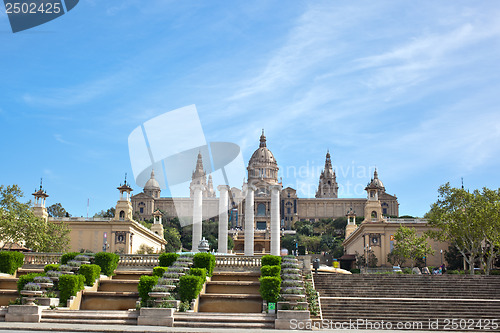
{"points": [[158, 296], [46, 301], [292, 297], [30, 295], [156, 317]]}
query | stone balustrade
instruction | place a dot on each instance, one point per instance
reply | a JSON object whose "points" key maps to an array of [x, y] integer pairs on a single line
{"points": [[141, 261], [237, 261]]}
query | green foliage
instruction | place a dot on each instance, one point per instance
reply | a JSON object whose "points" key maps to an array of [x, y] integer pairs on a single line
{"points": [[189, 287], [202, 272], [270, 288], [355, 271], [453, 257], [269, 260], [90, 272], [51, 267], [57, 210], [18, 224], [167, 259], [106, 214], [270, 270], [70, 285], [107, 261], [410, 246], [184, 306], [173, 238], [145, 285], [68, 256], [23, 279], [159, 271], [10, 261], [204, 260]]}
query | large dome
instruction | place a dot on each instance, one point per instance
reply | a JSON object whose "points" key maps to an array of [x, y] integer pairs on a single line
{"points": [[152, 183], [262, 164], [376, 182]]}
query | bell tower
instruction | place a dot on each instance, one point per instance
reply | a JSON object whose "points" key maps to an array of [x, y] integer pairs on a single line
{"points": [[124, 206], [351, 223], [373, 208], [157, 226], [39, 208], [328, 187]]}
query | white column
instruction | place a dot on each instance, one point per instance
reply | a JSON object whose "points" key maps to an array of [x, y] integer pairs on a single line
{"points": [[223, 219], [275, 220], [249, 220], [197, 216]]}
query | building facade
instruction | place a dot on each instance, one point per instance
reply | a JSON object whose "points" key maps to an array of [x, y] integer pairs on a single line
{"points": [[262, 173]]}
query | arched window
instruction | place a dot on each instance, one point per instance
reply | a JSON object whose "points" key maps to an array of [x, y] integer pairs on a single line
{"points": [[261, 209], [374, 216], [122, 215]]}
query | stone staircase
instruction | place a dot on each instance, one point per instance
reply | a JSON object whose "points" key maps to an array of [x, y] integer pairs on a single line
{"points": [[119, 293], [8, 290], [232, 292], [92, 317], [411, 300]]}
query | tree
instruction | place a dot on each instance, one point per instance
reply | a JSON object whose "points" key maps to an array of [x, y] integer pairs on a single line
{"points": [[487, 203], [395, 259], [57, 210], [173, 239], [18, 224], [110, 213], [410, 246], [453, 257], [457, 219]]}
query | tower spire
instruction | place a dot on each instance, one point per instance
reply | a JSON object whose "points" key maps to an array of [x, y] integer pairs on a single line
{"points": [[262, 139]]}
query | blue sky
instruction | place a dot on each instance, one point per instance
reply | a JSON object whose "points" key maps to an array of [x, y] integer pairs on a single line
{"points": [[410, 88]]}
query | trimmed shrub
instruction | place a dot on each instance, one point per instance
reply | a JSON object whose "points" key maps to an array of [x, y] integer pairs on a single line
{"points": [[90, 272], [269, 260], [270, 288], [145, 285], [23, 279], [10, 261], [355, 271], [204, 260], [189, 287], [159, 271], [199, 272], [167, 259], [51, 267], [70, 285], [270, 271], [68, 256], [107, 261]]}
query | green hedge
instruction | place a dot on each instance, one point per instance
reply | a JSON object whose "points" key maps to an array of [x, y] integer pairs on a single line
{"points": [[68, 256], [270, 271], [107, 261], [90, 272], [10, 261], [69, 285], [204, 260], [269, 260], [145, 285], [189, 287], [167, 259], [23, 279], [270, 288], [51, 267], [159, 271], [199, 272], [355, 270]]}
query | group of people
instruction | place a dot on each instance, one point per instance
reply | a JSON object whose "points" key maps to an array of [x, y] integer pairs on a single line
{"points": [[436, 271]]}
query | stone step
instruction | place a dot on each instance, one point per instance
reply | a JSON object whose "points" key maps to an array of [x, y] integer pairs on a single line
{"points": [[90, 321], [118, 285], [230, 303], [232, 287], [130, 275], [8, 283], [109, 300], [224, 320], [7, 295], [236, 276], [89, 314]]}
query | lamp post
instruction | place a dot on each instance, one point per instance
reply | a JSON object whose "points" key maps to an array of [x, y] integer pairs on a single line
{"points": [[441, 256]]}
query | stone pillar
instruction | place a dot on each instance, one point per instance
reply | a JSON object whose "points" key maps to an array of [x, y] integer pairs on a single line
{"points": [[197, 216], [249, 220], [275, 220], [223, 219]]}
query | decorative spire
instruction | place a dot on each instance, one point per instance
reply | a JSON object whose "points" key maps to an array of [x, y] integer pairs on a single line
{"points": [[125, 183], [41, 182], [375, 174], [262, 139], [152, 173]]}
